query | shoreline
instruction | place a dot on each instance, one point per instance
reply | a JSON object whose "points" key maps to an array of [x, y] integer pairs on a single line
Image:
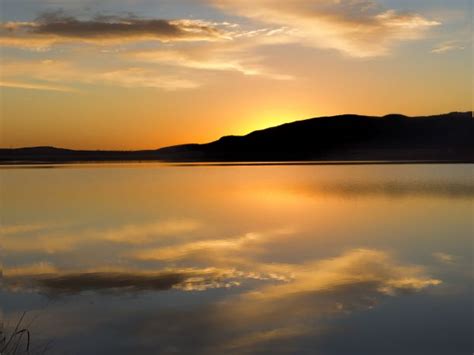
{"points": [[26, 164]]}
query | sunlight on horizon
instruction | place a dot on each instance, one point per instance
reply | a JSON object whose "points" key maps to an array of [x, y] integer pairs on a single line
{"points": [[114, 75]]}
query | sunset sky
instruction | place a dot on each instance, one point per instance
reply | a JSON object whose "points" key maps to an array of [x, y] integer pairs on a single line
{"points": [[138, 74]]}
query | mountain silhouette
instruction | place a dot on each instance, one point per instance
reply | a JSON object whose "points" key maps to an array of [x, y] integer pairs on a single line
{"points": [[344, 138]]}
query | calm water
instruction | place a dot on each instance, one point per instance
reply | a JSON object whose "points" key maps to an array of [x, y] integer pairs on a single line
{"points": [[143, 259]]}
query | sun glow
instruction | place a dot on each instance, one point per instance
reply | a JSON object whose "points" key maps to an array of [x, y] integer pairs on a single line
{"points": [[271, 117], [69, 79]]}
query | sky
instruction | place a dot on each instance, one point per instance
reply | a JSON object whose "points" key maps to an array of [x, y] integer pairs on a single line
{"points": [[142, 74]]}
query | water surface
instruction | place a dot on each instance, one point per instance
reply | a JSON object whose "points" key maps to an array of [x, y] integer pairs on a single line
{"points": [[150, 258]]}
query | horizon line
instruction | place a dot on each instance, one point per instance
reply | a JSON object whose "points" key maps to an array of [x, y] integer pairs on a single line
{"points": [[232, 135]]}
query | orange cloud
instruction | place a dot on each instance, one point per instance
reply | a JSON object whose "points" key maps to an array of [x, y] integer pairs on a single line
{"points": [[34, 86], [62, 75], [236, 55], [359, 28]]}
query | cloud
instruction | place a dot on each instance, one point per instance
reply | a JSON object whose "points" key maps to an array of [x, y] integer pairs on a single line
{"points": [[51, 239], [11, 229], [370, 268], [35, 86], [167, 68], [448, 46], [58, 28], [238, 252], [47, 279], [33, 269], [217, 247], [275, 315], [358, 266], [364, 266], [272, 314], [359, 28], [236, 55], [183, 47], [55, 284], [61, 75], [140, 77], [358, 280], [136, 234], [41, 241], [446, 258]]}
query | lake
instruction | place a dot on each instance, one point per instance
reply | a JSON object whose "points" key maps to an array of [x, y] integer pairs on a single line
{"points": [[251, 259]]}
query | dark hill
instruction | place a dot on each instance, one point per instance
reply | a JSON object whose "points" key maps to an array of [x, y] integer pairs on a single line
{"points": [[340, 138], [346, 137]]}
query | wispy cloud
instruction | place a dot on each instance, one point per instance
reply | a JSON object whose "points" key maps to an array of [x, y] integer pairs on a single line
{"points": [[360, 266], [236, 55], [236, 252], [359, 28], [137, 234], [354, 281], [448, 46], [39, 268], [141, 77], [268, 312], [446, 258], [209, 248], [174, 51], [62, 75], [35, 86], [375, 267], [50, 239]]}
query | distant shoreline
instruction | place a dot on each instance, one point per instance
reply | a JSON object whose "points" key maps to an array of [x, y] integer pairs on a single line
{"points": [[26, 164], [344, 139]]}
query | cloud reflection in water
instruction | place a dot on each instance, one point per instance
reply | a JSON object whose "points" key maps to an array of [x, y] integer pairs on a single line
{"points": [[275, 311]]}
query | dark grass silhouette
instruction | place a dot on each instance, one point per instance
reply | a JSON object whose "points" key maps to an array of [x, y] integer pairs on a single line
{"points": [[17, 342], [345, 138]]}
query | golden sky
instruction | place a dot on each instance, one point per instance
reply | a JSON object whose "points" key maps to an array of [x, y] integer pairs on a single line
{"points": [[134, 74]]}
